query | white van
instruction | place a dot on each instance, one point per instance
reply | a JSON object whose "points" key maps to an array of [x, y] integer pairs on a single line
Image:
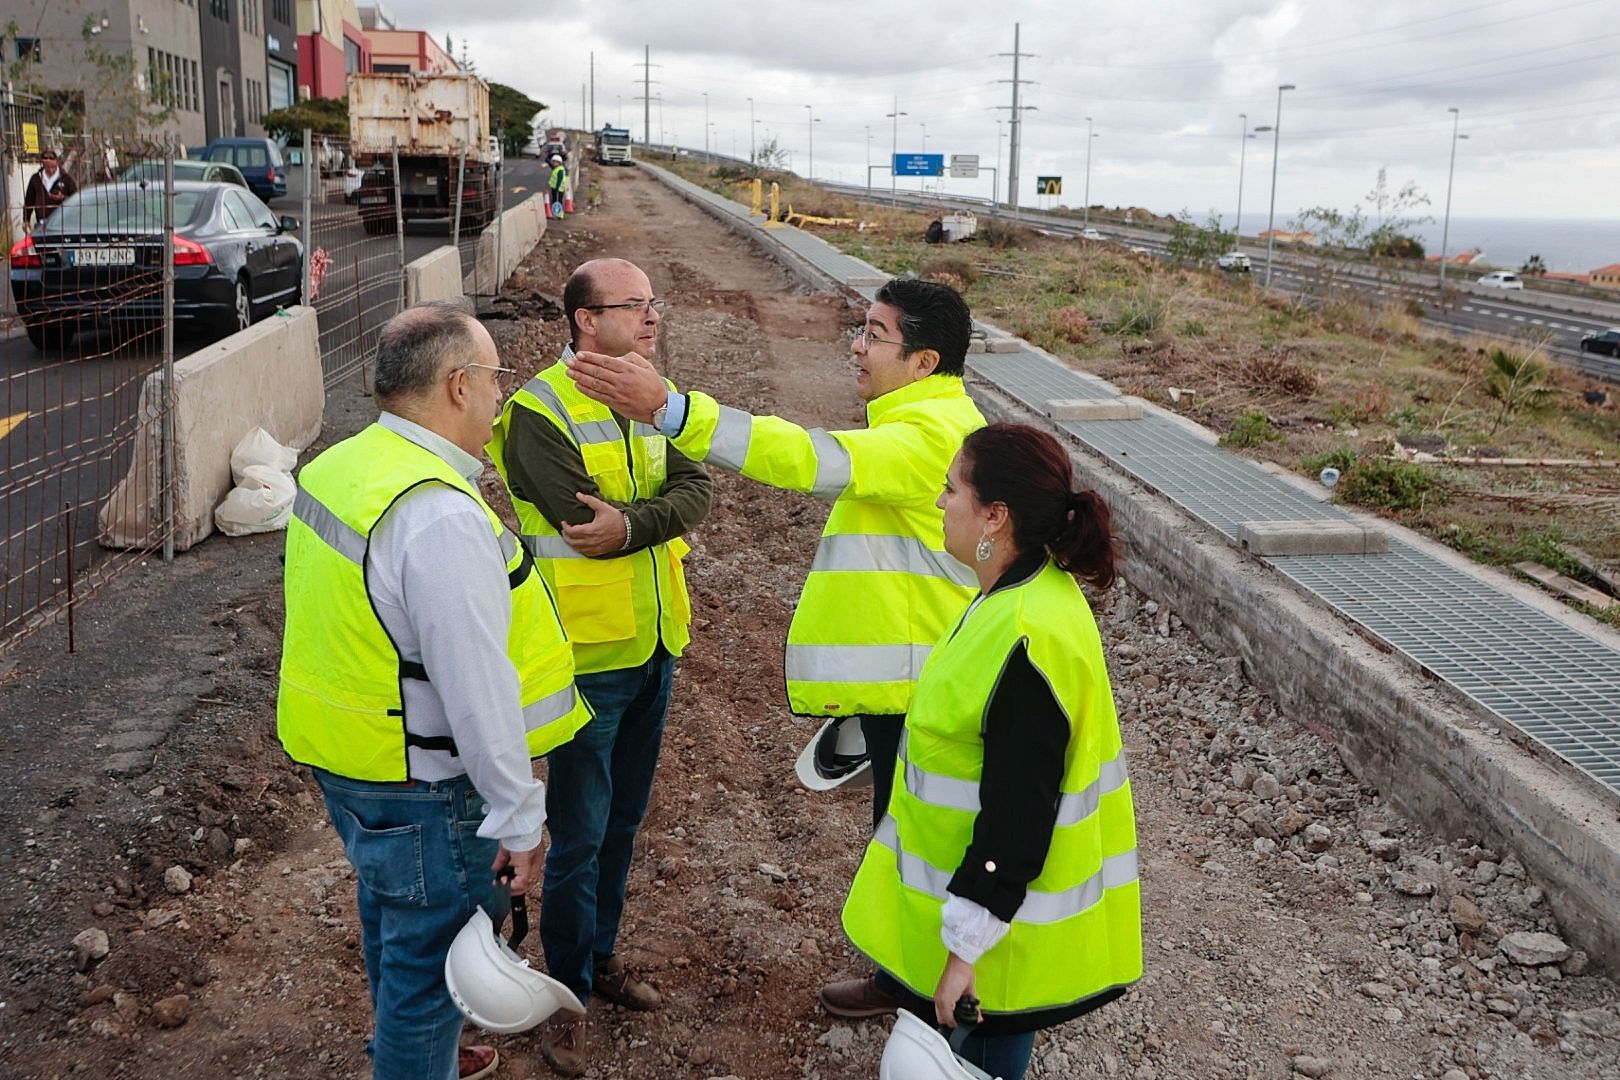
{"points": [[1502, 279], [495, 151]]}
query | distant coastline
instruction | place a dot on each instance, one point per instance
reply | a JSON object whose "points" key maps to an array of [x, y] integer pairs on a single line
{"points": [[1573, 246]]}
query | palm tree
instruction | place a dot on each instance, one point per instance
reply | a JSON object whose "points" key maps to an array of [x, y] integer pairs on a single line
{"points": [[1533, 267], [1515, 380]]}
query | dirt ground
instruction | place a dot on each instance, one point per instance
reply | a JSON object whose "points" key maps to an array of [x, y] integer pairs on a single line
{"points": [[1295, 925]]}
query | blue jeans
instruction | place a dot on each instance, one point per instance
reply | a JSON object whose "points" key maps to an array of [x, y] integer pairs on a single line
{"points": [[421, 869], [597, 787], [1004, 1056]]}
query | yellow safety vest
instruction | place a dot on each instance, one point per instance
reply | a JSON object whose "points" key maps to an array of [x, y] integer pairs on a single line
{"points": [[882, 589], [1078, 932], [616, 610], [340, 706]]}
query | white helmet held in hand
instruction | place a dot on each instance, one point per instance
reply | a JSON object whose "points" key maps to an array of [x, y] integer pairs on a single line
{"points": [[915, 1051], [835, 757], [495, 987]]}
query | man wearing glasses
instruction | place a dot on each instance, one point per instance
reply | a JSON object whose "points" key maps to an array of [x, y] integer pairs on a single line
{"points": [[882, 552], [602, 504], [423, 666]]}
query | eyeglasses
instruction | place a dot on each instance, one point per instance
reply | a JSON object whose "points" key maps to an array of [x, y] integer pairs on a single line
{"points": [[866, 339], [503, 375], [657, 303]]}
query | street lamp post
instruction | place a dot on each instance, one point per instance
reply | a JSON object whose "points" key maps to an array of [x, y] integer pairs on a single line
{"points": [[1243, 146], [810, 126], [1085, 214], [1271, 215], [751, 123], [1445, 230], [705, 126], [894, 143], [869, 154]]}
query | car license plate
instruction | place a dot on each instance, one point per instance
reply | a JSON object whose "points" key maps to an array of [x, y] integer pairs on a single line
{"points": [[376, 200], [109, 256]]}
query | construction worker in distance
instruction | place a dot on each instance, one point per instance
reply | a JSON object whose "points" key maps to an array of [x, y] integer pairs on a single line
{"points": [[1006, 868], [880, 554], [602, 503], [423, 666], [557, 186]]}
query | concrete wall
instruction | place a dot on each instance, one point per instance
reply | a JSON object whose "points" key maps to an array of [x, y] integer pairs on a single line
{"points": [[268, 376], [519, 229], [435, 276], [1425, 747]]}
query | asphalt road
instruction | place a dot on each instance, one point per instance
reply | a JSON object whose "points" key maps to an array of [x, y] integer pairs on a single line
{"points": [[68, 420]]}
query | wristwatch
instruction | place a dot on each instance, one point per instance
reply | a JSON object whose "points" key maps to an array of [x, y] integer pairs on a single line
{"points": [[658, 416]]}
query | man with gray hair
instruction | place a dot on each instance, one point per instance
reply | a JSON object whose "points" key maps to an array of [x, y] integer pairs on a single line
{"points": [[423, 668]]}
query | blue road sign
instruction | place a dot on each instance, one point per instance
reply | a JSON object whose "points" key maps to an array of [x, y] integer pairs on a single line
{"points": [[919, 164]]}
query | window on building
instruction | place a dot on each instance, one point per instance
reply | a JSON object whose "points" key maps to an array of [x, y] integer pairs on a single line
{"points": [[281, 11], [351, 55], [28, 48]]}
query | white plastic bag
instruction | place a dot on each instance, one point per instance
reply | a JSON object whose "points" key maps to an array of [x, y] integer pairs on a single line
{"points": [[258, 447], [262, 499]]}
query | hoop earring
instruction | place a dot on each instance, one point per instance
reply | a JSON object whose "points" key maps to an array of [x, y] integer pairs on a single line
{"points": [[984, 549]]}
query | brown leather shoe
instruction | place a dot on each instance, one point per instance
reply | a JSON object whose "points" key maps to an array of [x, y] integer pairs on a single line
{"points": [[562, 1044], [856, 999], [476, 1062], [615, 982]]}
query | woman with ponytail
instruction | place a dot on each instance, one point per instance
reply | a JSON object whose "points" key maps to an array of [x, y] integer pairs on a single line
{"points": [[1004, 874]]}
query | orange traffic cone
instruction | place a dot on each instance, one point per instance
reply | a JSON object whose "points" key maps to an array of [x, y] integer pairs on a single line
{"points": [[568, 203]]}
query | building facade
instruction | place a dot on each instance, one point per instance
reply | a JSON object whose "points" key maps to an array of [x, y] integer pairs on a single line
{"points": [[161, 95], [404, 52], [331, 44], [281, 54], [233, 61]]}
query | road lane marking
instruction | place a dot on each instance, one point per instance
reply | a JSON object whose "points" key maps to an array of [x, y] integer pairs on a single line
{"points": [[8, 424], [1518, 318], [1538, 322]]}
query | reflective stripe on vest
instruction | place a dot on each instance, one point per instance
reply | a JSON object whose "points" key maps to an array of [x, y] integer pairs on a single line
{"points": [[329, 527], [1038, 907], [733, 431], [549, 547], [582, 431], [551, 708], [854, 663], [954, 794], [902, 554]]}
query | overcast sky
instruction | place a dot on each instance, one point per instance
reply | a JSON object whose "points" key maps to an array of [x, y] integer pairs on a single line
{"points": [[1537, 83]]}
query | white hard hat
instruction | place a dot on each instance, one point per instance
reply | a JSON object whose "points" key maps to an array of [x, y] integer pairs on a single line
{"points": [[835, 757], [556, 159], [493, 986], [915, 1051]]}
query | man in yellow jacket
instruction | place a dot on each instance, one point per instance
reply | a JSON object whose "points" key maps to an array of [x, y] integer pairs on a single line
{"points": [[881, 589], [602, 504], [423, 666]]}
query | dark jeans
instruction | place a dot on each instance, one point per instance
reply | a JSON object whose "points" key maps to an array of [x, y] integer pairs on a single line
{"points": [[882, 735], [597, 787], [420, 869]]}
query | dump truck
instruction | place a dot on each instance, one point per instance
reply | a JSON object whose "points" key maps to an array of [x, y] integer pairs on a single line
{"points": [[613, 146], [440, 124]]}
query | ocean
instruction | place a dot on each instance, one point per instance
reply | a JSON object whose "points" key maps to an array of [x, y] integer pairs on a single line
{"points": [[1569, 245]]}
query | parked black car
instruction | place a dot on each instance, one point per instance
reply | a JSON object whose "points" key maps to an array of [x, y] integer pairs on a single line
{"points": [[1606, 341], [259, 161], [99, 258]]}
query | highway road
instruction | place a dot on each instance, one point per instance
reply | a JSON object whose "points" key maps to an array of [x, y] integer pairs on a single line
{"points": [[68, 420], [1515, 315]]}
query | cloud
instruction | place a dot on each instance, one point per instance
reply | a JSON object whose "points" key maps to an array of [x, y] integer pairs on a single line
{"points": [[1165, 84]]}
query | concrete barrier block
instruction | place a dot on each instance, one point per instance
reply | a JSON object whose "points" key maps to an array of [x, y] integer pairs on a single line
{"points": [[1003, 345], [1322, 536], [519, 230], [268, 376], [865, 281], [435, 276], [1092, 409]]}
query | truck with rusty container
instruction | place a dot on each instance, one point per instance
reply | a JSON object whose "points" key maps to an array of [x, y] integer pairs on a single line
{"points": [[439, 126]]}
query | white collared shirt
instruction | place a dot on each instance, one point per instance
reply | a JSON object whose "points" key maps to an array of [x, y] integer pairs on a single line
{"points": [[437, 579]]}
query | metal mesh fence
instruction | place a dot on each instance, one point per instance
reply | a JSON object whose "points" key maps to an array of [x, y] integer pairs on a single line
{"points": [[85, 333], [355, 276]]}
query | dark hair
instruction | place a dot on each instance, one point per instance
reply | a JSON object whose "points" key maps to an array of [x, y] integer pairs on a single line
{"points": [[579, 292], [414, 347], [1028, 471], [932, 316]]}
